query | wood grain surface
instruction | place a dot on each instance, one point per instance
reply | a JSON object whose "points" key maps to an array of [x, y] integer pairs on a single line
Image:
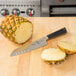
{"points": [[31, 64]]}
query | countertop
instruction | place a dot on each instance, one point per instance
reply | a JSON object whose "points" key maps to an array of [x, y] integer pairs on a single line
{"points": [[31, 64]]}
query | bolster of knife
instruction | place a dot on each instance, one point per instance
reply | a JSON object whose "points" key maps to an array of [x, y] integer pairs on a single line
{"points": [[57, 33]]}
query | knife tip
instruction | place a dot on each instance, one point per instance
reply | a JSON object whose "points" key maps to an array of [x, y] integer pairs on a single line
{"points": [[13, 54]]}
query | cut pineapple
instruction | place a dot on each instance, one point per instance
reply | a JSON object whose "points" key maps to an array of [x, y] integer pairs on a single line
{"points": [[53, 55], [17, 28], [69, 48], [22, 34]]}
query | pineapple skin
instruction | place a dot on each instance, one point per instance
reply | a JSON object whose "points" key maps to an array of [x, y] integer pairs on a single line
{"points": [[10, 24]]}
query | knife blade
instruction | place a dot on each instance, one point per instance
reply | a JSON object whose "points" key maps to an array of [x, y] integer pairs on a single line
{"points": [[38, 43]]}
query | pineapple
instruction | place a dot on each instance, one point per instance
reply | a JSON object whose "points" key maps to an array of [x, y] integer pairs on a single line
{"points": [[16, 28], [69, 48], [57, 55], [53, 55]]}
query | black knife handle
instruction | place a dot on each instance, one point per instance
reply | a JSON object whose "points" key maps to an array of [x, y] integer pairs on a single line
{"points": [[57, 33]]}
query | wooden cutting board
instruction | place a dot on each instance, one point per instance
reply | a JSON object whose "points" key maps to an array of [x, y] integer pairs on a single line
{"points": [[31, 64]]}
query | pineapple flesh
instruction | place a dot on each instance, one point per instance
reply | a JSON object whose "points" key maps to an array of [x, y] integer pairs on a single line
{"points": [[68, 47], [16, 28], [53, 55]]}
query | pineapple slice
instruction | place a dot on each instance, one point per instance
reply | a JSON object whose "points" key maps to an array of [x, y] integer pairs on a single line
{"points": [[69, 48], [16, 28], [53, 55]]}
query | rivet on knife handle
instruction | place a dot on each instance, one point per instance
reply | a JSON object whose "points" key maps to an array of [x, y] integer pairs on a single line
{"points": [[57, 33]]}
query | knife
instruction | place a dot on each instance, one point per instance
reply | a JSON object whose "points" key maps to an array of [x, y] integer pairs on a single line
{"points": [[38, 43]]}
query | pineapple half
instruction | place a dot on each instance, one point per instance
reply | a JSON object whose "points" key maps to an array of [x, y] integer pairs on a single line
{"points": [[16, 28], [53, 55]]}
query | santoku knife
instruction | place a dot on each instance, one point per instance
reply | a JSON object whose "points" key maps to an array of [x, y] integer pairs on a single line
{"points": [[38, 43]]}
